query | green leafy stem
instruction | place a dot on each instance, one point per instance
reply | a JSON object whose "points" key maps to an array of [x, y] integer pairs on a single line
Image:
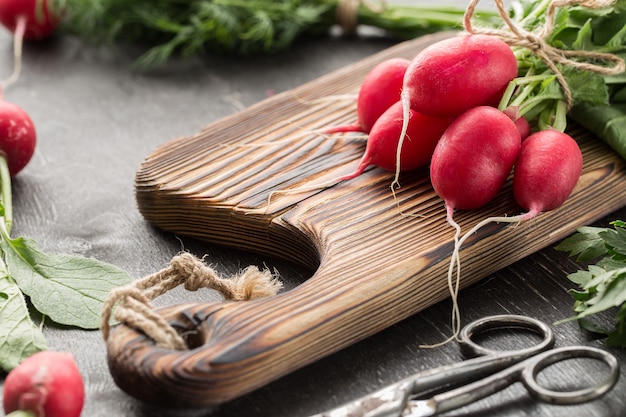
{"points": [[236, 27]]}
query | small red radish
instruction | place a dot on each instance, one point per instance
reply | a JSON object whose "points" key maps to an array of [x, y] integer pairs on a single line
{"points": [[548, 168], [380, 90], [46, 384], [17, 136], [421, 139], [520, 121], [28, 20], [38, 17], [474, 158], [523, 127]]}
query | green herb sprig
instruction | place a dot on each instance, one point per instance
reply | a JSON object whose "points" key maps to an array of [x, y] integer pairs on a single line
{"points": [[69, 290], [602, 286], [236, 27]]}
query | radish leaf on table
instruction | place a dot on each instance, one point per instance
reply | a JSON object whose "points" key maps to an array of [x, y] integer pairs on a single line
{"points": [[19, 336], [602, 286], [69, 289]]}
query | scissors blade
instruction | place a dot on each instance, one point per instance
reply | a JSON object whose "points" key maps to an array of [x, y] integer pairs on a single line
{"points": [[422, 408], [387, 402], [392, 400]]}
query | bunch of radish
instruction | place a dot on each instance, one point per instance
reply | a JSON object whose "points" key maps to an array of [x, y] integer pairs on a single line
{"points": [[441, 109], [464, 78]]}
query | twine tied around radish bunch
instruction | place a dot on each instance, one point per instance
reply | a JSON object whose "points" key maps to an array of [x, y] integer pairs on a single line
{"points": [[515, 35]]}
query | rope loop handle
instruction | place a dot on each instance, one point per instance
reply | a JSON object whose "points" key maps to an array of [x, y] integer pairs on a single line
{"points": [[132, 306]]}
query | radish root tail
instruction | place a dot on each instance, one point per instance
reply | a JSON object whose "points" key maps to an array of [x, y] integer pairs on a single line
{"points": [[406, 114], [453, 283], [455, 260], [18, 41]]}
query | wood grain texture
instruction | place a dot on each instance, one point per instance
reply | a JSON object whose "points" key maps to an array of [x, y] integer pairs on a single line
{"points": [[378, 259]]}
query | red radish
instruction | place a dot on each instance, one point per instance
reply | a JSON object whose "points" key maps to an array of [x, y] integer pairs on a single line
{"points": [[456, 74], [520, 121], [38, 15], [421, 138], [470, 164], [47, 384], [17, 136], [523, 127], [380, 90], [474, 158], [28, 20], [452, 76], [548, 168]]}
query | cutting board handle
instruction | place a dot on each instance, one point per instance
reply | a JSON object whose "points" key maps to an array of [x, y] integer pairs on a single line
{"points": [[238, 346]]}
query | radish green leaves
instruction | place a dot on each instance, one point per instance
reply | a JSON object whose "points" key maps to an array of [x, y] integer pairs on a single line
{"points": [[68, 289], [19, 336]]}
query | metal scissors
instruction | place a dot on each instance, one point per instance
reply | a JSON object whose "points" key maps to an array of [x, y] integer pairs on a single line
{"points": [[498, 369]]}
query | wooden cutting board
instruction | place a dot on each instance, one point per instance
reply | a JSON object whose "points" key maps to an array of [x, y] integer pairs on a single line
{"points": [[377, 260]]}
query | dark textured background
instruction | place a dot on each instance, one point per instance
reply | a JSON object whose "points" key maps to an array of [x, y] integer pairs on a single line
{"points": [[97, 120]]}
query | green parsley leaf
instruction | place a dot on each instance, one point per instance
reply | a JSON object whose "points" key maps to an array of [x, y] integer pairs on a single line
{"points": [[615, 239], [602, 286], [587, 244], [617, 338], [610, 291]]}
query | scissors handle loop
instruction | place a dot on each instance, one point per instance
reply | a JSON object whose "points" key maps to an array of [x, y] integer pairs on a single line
{"points": [[505, 321], [529, 375]]}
